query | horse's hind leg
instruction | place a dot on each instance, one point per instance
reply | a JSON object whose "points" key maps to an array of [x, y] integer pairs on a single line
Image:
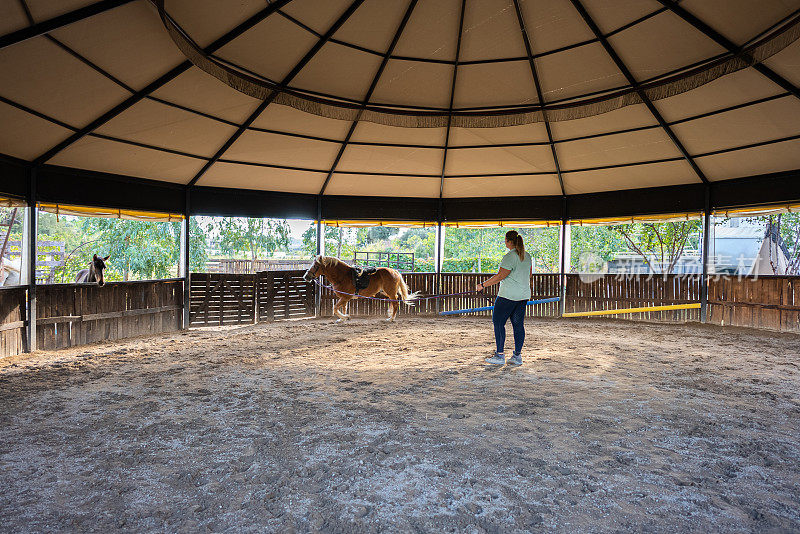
{"points": [[393, 308]]}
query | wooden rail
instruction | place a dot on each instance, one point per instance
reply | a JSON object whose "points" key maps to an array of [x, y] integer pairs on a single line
{"points": [[771, 302], [12, 320], [609, 292], [77, 314]]}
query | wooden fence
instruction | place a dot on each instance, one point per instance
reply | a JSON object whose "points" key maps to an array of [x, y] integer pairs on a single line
{"points": [[230, 299], [77, 314], [12, 320], [771, 302], [610, 292], [238, 266]]}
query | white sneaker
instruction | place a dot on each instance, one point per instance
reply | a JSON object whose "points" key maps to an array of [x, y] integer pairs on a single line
{"points": [[515, 359], [497, 359]]}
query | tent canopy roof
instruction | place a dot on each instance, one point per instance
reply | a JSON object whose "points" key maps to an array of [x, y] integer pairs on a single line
{"points": [[409, 98]]}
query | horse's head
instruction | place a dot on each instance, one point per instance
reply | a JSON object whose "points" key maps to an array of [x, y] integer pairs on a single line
{"points": [[99, 265], [315, 270]]}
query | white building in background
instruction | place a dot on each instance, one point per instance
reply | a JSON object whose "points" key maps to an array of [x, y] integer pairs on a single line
{"points": [[737, 247], [747, 248]]}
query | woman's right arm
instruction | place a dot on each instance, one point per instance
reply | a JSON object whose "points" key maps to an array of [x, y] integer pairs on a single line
{"points": [[496, 279]]}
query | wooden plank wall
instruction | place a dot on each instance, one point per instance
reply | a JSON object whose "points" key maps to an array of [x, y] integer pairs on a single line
{"points": [[229, 299], [771, 302], [221, 299], [12, 320], [284, 295], [611, 292], [544, 286], [77, 314]]}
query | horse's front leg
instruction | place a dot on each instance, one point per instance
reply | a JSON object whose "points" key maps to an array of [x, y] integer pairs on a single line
{"points": [[342, 304]]}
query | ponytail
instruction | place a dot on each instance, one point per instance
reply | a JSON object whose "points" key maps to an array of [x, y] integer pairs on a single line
{"points": [[516, 239]]}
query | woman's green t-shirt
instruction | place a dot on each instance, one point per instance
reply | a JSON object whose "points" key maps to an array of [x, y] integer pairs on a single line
{"points": [[517, 285]]}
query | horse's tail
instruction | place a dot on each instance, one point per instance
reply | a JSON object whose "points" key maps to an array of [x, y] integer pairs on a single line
{"points": [[407, 297]]}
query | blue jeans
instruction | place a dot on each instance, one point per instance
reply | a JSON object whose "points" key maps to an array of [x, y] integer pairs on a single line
{"points": [[504, 310]]}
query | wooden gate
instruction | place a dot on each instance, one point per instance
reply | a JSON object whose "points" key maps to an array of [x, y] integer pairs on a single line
{"points": [[284, 295], [221, 299], [228, 299]]}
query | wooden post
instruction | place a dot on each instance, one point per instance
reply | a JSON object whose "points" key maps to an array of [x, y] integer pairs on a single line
{"points": [[270, 296], [185, 227], [30, 244], [706, 244], [320, 251], [256, 299], [562, 277]]}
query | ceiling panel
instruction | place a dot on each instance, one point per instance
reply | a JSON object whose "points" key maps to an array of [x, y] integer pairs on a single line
{"points": [[39, 135], [399, 186], [101, 155], [262, 178], [273, 149], [414, 83], [764, 122], [357, 158], [495, 84], [432, 31], [525, 159], [616, 149], [164, 126], [553, 24], [749, 162], [656, 174], [501, 186], [41, 76], [202, 92], [491, 31]]}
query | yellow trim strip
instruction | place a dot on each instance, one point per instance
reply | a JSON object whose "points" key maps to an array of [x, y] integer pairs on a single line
{"points": [[10, 202], [667, 217], [87, 211], [772, 209], [369, 224], [635, 310], [500, 224]]}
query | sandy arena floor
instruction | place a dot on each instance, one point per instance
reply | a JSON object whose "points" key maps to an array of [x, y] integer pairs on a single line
{"points": [[364, 427]]}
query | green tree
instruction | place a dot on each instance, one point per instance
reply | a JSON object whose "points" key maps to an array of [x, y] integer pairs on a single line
{"points": [[138, 249], [254, 236], [660, 245]]}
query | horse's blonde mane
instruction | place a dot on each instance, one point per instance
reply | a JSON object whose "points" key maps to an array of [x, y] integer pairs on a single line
{"points": [[328, 261]]}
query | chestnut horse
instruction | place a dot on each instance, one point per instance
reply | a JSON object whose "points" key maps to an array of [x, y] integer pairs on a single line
{"points": [[386, 281]]}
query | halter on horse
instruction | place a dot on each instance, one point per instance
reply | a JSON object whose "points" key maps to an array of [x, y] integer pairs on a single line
{"points": [[94, 274], [342, 277]]}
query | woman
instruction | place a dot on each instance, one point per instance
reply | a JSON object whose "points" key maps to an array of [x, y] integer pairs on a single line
{"points": [[514, 278]]}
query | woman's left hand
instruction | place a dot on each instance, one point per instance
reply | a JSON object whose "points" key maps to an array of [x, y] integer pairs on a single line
{"points": [[479, 287]]}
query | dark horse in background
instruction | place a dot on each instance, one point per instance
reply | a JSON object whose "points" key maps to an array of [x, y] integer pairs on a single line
{"points": [[342, 277], [94, 274]]}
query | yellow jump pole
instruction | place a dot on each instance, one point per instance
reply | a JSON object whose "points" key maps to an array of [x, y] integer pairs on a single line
{"points": [[693, 305]]}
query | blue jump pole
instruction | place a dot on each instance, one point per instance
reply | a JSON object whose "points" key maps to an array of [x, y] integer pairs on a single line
{"points": [[486, 308]]}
